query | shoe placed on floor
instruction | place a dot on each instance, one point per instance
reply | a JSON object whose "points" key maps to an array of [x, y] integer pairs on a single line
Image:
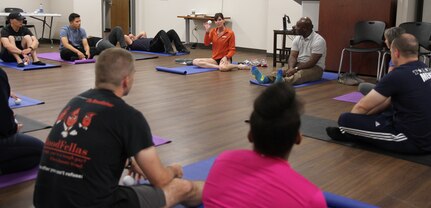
{"points": [[263, 63], [355, 76], [335, 134], [348, 79], [20, 64], [39, 63], [173, 53], [184, 50], [279, 76]]}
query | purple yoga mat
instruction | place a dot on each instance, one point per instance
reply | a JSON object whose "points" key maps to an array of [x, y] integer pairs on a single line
{"points": [[55, 56], [159, 140], [25, 101], [352, 97], [15, 178], [159, 53], [184, 70]]}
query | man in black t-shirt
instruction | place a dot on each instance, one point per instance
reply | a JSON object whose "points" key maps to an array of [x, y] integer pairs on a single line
{"points": [[96, 132], [19, 44], [396, 114]]}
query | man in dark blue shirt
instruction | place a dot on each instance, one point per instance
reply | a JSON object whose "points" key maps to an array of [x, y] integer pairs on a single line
{"points": [[396, 114]]}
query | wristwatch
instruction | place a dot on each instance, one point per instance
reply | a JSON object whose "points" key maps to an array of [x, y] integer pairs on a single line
{"points": [[296, 68]]}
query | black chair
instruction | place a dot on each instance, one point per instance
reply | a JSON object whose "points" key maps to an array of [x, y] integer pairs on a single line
{"points": [[11, 9], [422, 32], [365, 31]]}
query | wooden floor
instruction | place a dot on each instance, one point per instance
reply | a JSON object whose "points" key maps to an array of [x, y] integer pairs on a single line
{"points": [[203, 115]]}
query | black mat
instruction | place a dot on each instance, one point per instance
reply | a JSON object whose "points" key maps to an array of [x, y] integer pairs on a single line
{"points": [[30, 125], [141, 56], [314, 127]]}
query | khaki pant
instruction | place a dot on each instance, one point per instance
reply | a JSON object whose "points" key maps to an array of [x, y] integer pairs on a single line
{"points": [[302, 76]]}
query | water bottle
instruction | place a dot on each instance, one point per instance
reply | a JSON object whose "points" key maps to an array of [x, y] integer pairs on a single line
{"points": [[41, 8]]}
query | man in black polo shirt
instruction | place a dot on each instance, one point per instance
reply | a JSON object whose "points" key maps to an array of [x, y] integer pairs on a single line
{"points": [[19, 44]]}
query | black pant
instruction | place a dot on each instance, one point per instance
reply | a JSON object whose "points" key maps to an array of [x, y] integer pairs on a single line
{"points": [[100, 44], [19, 152], [162, 42], [69, 55]]}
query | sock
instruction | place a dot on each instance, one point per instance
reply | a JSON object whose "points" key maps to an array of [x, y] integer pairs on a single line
{"points": [[258, 76], [279, 76]]}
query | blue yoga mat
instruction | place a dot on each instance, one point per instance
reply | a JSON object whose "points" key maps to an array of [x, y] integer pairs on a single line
{"points": [[25, 101], [184, 70], [327, 76], [159, 53], [28, 67], [200, 170]]}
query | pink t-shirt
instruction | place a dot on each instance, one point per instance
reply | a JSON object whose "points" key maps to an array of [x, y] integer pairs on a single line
{"points": [[244, 178]]}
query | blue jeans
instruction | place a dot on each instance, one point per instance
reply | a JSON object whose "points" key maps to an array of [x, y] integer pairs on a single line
{"points": [[19, 152]]}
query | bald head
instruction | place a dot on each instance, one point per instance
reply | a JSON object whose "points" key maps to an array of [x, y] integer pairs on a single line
{"points": [[406, 44], [304, 27]]}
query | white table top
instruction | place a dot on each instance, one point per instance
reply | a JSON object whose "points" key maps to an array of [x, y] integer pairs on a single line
{"points": [[5, 14]]}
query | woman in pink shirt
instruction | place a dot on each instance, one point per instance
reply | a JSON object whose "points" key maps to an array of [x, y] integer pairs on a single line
{"points": [[262, 177]]}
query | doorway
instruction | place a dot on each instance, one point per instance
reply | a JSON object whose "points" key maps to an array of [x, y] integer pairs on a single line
{"points": [[118, 13]]}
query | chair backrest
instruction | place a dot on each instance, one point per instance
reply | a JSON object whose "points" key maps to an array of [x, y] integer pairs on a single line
{"points": [[12, 9], [421, 30], [366, 31]]}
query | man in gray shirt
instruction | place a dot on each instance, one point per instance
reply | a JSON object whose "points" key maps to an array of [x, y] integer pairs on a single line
{"points": [[73, 40]]}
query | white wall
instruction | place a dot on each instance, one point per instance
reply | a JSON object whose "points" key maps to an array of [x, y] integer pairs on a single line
{"points": [[276, 10], [426, 15], [91, 15], [406, 11], [311, 9], [253, 21]]}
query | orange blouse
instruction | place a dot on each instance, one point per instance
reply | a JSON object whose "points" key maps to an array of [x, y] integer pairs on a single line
{"points": [[223, 45]]}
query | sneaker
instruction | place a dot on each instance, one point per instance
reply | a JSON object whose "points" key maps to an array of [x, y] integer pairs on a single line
{"points": [[40, 63], [348, 79], [255, 62], [184, 50], [20, 64], [258, 76], [354, 76], [263, 63], [335, 134], [279, 76]]}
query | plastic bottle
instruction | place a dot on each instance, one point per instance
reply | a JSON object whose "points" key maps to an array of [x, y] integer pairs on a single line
{"points": [[41, 8]]}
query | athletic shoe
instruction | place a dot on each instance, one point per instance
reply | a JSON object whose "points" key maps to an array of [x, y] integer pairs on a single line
{"points": [[263, 63], [335, 134], [39, 63], [279, 76], [20, 64], [348, 79], [258, 76]]}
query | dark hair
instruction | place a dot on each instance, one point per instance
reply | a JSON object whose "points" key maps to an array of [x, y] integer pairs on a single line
{"points": [[217, 15], [407, 44], [393, 32], [72, 16], [275, 120]]}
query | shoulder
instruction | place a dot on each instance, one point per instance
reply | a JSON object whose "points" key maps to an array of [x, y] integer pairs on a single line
{"points": [[318, 39]]}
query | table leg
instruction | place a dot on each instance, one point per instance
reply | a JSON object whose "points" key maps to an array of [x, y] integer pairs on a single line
{"points": [[187, 31], [50, 30], [274, 53]]}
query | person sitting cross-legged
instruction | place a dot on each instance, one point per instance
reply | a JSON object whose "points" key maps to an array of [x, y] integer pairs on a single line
{"points": [[396, 114], [263, 177], [306, 61]]}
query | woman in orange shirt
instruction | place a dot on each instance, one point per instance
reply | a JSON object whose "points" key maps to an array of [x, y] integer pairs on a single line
{"points": [[223, 46]]}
